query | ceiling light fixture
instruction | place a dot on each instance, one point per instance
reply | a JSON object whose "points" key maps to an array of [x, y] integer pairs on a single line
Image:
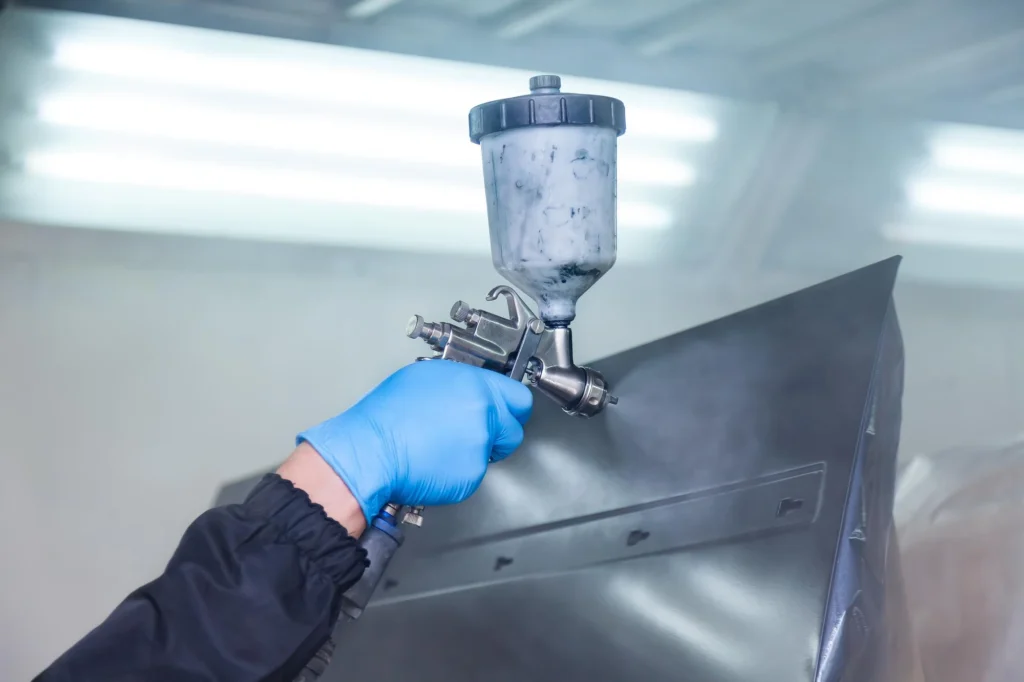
{"points": [[287, 183], [978, 159], [362, 77], [136, 125], [354, 137], [954, 197]]}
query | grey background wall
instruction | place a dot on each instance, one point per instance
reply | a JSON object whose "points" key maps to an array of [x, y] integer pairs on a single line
{"points": [[138, 373]]}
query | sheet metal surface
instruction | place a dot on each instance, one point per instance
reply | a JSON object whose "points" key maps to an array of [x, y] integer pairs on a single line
{"points": [[728, 520]]}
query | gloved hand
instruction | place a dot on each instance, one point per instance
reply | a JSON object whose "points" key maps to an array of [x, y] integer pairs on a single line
{"points": [[425, 435]]}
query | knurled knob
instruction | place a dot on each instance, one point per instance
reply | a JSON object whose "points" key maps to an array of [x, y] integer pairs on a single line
{"points": [[461, 311], [545, 82], [414, 329]]}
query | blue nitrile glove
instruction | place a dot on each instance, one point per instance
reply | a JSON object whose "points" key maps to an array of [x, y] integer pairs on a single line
{"points": [[425, 435]]}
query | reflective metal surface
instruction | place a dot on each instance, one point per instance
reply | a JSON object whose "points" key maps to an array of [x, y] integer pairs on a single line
{"points": [[728, 520]]}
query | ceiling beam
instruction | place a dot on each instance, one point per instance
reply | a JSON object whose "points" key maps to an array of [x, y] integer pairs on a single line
{"points": [[1011, 94], [364, 9], [933, 70], [425, 32], [818, 41], [528, 18], [913, 86], [691, 23]]}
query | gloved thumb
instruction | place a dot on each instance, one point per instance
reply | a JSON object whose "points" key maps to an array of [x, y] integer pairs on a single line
{"points": [[514, 405], [517, 398], [508, 436]]}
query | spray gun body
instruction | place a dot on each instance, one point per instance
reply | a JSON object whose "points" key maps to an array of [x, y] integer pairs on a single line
{"points": [[519, 346]]}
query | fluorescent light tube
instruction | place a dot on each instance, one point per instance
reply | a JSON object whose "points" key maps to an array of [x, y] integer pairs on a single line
{"points": [[367, 8], [996, 161], [653, 171], [358, 77], [951, 197], [535, 18], [351, 138], [636, 215], [369, 84], [357, 138], [291, 184], [281, 183], [960, 236], [669, 125]]}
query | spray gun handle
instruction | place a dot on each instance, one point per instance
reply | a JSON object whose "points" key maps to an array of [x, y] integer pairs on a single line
{"points": [[380, 541]]}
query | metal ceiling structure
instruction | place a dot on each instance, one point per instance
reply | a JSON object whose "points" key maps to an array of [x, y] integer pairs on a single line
{"points": [[851, 82], [937, 58]]}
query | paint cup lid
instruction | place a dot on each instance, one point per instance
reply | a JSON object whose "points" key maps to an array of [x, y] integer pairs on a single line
{"points": [[546, 105]]}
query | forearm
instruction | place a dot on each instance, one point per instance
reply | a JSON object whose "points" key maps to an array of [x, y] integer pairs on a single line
{"points": [[309, 472], [251, 593]]}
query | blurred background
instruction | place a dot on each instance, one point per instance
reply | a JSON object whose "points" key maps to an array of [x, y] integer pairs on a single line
{"points": [[216, 217]]}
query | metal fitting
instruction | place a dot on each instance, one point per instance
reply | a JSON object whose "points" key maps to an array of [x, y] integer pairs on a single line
{"points": [[413, 516], [518, 346], [581, 391]]}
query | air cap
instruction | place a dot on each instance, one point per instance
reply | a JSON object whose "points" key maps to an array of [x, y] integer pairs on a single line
{"points": [[546, 105]]}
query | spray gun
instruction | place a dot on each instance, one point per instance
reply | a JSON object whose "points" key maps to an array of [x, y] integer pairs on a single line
{"points": [[550, 176], [549, 172]]}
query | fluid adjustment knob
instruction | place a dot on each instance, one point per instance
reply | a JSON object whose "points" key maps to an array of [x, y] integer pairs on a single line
{"points": [[461, 311]]}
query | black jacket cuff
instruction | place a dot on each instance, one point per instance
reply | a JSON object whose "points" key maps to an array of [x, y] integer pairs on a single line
{"points": [[321, 539]]}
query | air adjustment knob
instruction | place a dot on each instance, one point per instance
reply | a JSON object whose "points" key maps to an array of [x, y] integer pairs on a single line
{"points": [[461, 311]]}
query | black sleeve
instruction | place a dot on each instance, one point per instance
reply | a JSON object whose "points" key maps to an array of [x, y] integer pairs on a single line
{"points": [[251, 594]]}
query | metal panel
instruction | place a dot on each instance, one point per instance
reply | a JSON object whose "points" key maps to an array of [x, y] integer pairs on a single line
{"points": [[782, 502], [735, 505]]}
